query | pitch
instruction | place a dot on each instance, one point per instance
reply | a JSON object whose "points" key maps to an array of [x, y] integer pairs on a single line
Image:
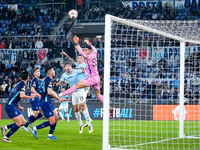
{"points": [[69, 137], [68, 134]]}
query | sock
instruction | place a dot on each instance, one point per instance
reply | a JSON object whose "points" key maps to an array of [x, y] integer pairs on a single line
{"points": [[52, 128], [30, 119], [78, 118], [87, 110], [67, 117], [9, 126], [69, 91], [39, 116], [61, 115], [12, 130], [87, 117], [43, 125], [100, 97]]}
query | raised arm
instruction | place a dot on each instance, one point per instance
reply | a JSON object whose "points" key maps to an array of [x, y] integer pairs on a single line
{"points": [[69, 58], [93, 48], [76, 40]]}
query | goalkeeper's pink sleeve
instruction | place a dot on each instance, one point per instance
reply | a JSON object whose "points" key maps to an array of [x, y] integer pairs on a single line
{"points": [[93, 49], [81, 51]]}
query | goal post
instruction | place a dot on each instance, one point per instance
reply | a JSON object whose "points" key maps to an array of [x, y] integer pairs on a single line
{"points": [[147, 65]]}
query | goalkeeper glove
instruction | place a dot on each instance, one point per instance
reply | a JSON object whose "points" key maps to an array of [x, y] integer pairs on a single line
{"points": [[87, 42], [76, 39]]}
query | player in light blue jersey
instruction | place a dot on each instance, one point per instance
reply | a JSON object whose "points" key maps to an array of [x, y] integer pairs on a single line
{"points": [[80, 64], [64, 105], [79, 96]]}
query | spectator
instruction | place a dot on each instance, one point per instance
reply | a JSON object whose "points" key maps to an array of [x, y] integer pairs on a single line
{"points": [[176, 83], [13, 76], [149, 62], [58, 69], [6, 79], [2, 67], [19, 56], [39, 43], [11, 45], [26, 55], [8, 88], [1, 93], [159, 88], [3, 45], [33, 56], [29, 69], [4, 85], [38, 65], [49, 54], [2, 55], [1, 80], [152, 75]]}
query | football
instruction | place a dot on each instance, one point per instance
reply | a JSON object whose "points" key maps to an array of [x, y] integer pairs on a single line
{"points": [[73, 14]]}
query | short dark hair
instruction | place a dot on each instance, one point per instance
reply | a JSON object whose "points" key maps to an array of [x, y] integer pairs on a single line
{"points": [[47, 69], [88, 46], [68, 63], [24, 75], [80, 55], [35, 69]]}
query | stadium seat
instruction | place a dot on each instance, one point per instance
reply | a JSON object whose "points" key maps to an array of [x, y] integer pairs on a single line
{"points": [[53, 24]]}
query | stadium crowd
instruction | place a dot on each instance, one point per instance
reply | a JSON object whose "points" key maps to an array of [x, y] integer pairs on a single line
{"points": [[26, 20]]}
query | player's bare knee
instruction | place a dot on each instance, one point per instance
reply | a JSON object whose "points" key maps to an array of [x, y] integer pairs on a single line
{"points": [[82, 106]]}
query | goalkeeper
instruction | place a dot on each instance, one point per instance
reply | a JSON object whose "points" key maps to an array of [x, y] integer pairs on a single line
{"points": [[93, 79]]}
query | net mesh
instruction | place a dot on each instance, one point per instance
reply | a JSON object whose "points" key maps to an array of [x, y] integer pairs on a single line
{"points": [[145, 86]]}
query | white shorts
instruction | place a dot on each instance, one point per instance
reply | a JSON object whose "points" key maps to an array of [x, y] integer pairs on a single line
{"points": [[65, 107], [79, 97]]}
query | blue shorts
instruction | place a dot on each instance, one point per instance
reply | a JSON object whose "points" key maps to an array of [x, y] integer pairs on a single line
{"points": [[35, 103], [47, 109], [12, 111]]}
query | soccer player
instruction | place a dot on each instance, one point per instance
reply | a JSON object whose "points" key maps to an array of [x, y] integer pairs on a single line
{"points": [[63, 105], [80, 64], [93, 80], [78, 96], [14, 109], [35, 88], [45, 103]]}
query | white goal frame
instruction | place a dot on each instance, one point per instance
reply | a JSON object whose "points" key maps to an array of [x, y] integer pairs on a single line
{"points": [[107, 50]]}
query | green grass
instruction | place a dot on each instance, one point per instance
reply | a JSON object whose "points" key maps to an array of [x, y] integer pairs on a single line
{"points": [[68, 134], [122, 133]]}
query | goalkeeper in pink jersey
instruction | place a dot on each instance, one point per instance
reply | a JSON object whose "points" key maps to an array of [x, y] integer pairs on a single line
{"points": [[93, 79]]}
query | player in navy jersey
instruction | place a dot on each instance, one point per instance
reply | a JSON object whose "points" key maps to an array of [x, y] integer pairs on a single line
{"points": [[47, 107], [35, 88], [14, 109]]}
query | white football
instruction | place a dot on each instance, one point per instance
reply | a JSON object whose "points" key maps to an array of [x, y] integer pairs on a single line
{"points": [[73, 14]]}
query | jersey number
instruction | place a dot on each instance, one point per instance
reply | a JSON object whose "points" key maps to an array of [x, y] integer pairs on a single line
{"points": [[94, 60]]}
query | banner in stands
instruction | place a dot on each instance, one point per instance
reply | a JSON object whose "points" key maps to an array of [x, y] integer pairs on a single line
{"points": [[135, 4], [122, 54], [133, 112], [10, 54], [171, 53], [171, 112]]}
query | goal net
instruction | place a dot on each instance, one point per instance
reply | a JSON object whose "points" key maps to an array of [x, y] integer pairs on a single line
{"points": [[151, 84]]}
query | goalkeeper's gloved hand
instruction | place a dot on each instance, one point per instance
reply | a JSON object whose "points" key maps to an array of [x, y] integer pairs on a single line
{"points": [[87, 42], [76, 39]]}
